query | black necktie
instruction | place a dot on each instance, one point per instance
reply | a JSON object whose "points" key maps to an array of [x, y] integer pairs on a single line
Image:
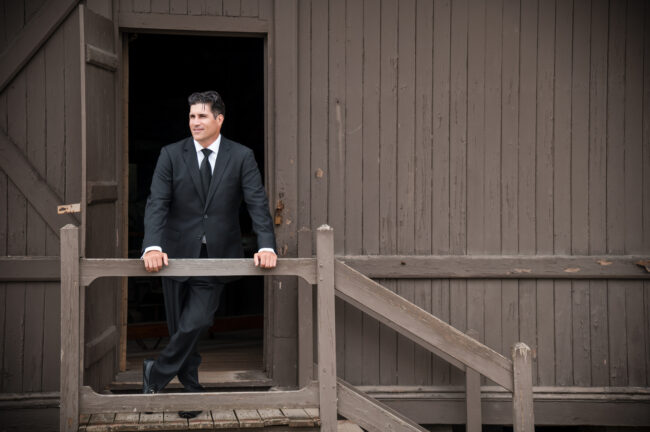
{"points": [[206, 172]]}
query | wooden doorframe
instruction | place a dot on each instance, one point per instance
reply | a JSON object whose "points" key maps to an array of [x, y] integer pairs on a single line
{"points": [[130, 23]]}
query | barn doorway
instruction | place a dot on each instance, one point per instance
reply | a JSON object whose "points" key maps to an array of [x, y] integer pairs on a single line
{"points": [[163, 70]]}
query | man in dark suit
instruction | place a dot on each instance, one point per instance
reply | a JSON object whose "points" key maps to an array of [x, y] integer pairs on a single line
{"points": [[193, 211]]}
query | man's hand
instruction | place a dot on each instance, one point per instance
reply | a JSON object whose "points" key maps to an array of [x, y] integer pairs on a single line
{"points": [[265, 259], [154, 260]]}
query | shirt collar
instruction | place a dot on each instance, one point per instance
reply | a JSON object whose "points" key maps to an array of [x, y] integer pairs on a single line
{"points": [[214, 146]]}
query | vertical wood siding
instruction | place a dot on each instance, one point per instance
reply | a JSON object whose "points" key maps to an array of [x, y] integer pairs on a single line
{"points": [[232, 8], [500, 127], [39, 115]]}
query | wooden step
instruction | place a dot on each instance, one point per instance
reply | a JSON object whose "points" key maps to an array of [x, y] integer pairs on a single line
{"points": [[298, 419]]}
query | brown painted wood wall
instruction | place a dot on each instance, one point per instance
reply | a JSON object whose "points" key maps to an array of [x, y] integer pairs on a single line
{"points": [[39, 111], [475, 127], [411, 127]]}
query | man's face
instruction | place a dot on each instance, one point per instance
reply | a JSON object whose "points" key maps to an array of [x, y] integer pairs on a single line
{"points": [[204, 126]]}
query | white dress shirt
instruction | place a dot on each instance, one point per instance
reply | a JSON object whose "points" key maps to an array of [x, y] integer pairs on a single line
{"points": [[212, 159]]}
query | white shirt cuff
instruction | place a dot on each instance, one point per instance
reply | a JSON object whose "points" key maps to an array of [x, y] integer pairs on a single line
{"points": [[266, 250], [150, 248]]}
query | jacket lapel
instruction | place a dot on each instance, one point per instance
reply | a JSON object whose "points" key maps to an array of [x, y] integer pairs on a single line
{"points": [[189, 156], [223, 157]]}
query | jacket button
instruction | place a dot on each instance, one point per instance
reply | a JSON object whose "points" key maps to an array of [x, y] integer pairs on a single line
{"points": [[205, 216]]}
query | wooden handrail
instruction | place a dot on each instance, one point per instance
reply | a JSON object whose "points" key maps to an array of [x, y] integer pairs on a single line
{"points": [[420, 326], [94, 268]]}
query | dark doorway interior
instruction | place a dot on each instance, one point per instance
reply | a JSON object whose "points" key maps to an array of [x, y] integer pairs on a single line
{"points": [[163, 71]]}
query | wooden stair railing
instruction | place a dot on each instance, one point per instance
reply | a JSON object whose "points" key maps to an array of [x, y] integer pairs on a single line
{"points": [[461, 350], [332, 278]]}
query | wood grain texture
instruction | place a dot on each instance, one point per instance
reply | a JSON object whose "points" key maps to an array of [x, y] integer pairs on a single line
{"points": [[327, 364], [31, 36], [369, 413], [421, 327], [92, 402]]}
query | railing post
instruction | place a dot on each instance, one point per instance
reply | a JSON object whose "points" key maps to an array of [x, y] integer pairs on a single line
{"points": [[473, 394], [70, 318], [523, 419], [305, 316], [326, 328]]}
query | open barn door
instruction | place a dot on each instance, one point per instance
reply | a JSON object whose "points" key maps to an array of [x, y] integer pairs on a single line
{"points": [[99, 203]]}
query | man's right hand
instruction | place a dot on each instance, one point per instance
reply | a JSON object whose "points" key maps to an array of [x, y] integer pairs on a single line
{"points": [[154, 260]]}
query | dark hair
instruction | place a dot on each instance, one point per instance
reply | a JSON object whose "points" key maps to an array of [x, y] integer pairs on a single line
{"points": [[209, 97]]}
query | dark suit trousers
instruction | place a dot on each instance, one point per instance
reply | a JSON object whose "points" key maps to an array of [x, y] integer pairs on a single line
{"points": [[190, 308]]}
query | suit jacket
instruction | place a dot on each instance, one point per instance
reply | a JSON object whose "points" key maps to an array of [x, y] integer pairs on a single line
{"points": [[177, 214]]}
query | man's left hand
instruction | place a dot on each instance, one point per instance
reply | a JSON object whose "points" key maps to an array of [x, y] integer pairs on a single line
{"points": [[265, 259]]}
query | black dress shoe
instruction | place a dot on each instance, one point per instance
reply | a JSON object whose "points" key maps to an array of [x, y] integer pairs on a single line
{"points": [[190, 414], [147, 386]]}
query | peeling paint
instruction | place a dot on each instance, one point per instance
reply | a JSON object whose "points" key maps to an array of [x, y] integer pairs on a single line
{"points": [[522, 270], [604, 262], [319, 173], [572, 270]]}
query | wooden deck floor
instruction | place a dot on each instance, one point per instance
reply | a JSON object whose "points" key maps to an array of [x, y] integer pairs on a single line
{"points": [[263, 419], [229, 361]]}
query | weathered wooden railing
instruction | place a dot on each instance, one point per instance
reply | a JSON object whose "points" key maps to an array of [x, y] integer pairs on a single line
{"points": [[332, 277], [77, 273]]}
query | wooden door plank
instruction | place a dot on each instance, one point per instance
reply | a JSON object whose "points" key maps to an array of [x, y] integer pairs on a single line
{"points": [[16, 241], [614, 193], [476, 171], [645, 196], [422, 163], [305, 291], [32, 36], [36, 227], [370, 167], [388, 171], [492, 328], [526, 184], [353, 211], [510, 168], [544, 199], [597, 172], [579, 191], [458, 165], [319, 96], [571, 313], [633, 176], [405, 180], [440, 158]]}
